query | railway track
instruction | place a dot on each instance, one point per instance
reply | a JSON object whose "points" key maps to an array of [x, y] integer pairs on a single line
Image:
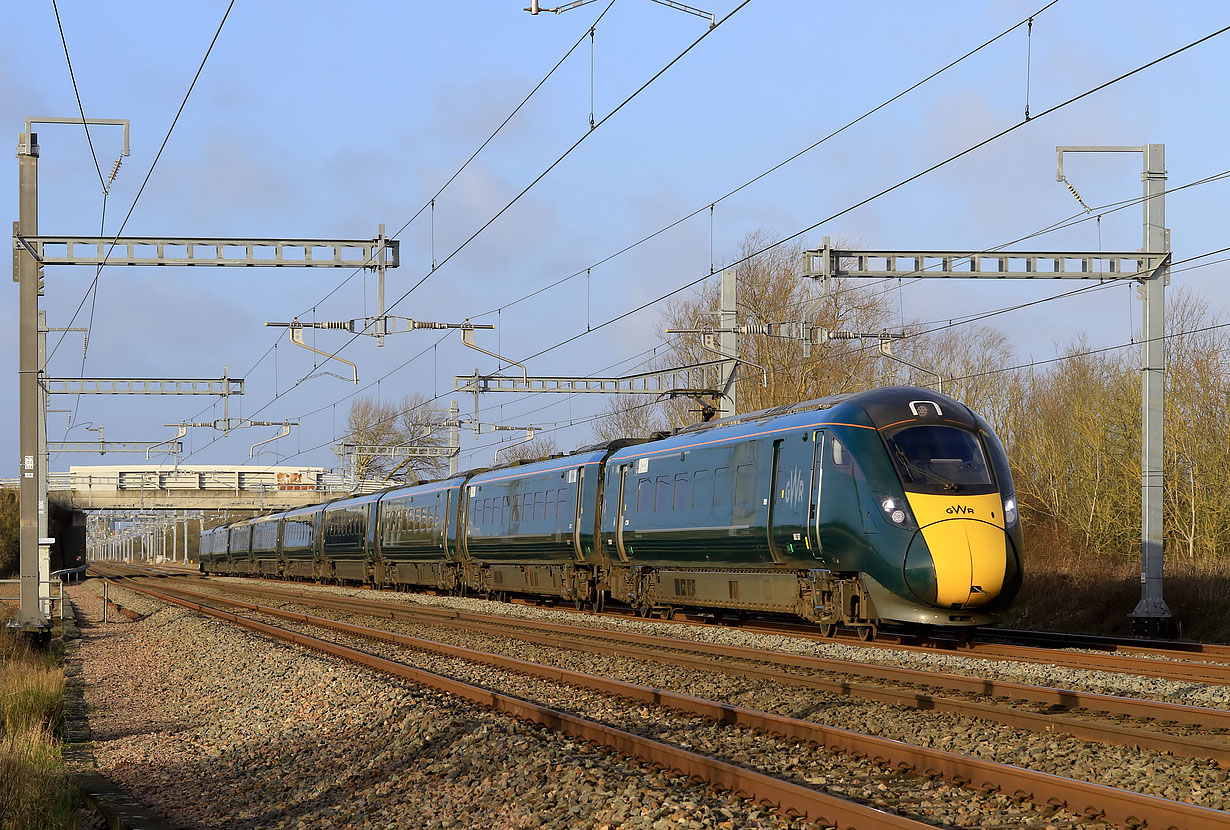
{"points": [[772, 666], [1122, 813], [1197, 663]]}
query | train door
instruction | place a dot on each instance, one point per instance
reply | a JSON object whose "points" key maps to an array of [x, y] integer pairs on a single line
{"points": [[445, 522], [621, 507], [578, 512], [789, 498], [838, 523]]}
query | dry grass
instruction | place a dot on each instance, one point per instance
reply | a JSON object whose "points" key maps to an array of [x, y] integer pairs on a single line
{"points": [[1095, 594], [34, 790]]}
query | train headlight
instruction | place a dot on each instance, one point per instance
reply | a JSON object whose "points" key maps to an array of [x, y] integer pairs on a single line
{"points": [[896, 511], [1010, 512]]}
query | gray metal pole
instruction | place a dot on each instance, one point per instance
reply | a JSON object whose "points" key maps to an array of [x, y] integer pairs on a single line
{"points": [[728, 344], [1152, 616], [381, 320], [44, 551], [29, 615], [454, 436]]}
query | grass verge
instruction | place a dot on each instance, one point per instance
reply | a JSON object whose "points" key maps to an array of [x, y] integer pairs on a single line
{"points": [[1095, 594], [35, 791]]}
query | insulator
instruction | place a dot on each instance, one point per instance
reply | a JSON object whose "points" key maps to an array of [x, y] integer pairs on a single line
{"points": [[758, 328], [343, 325], [116, 169]]}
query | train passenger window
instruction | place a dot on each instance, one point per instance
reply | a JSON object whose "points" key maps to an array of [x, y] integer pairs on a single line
{"points": [[550, 514], [662, 499], [562, 502], [721, 486], [644, 495], [840, 457], [683, 493], [743, 484], [702, 490], [539, 511]]}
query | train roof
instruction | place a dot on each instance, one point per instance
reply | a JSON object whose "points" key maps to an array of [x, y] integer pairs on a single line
{"points": [[873, 409]]}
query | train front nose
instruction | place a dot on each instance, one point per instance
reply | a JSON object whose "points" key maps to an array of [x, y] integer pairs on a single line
{"points": [[959, 556]]}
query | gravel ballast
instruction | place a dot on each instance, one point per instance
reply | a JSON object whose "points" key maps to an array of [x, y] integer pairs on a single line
{"points": [[215, 727]]}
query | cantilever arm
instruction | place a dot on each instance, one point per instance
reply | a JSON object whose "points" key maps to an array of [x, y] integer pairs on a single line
{"points": [[285, 431], [296, 337]]}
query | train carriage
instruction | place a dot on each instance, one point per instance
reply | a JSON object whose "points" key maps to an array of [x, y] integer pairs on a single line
{"points": [[239, 548], [347, 544], [207, 547], [299, 545], [417, 536], [266, 558], [530, 528]]}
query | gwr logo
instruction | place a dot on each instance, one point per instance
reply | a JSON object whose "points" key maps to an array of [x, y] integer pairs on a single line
{"points": [[960, 510], [794, 490]]}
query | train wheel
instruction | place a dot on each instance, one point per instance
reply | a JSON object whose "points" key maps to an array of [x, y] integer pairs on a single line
{"points": [[866, 633], [599, 602], [828, 629], [644, 611], [668, 613]]}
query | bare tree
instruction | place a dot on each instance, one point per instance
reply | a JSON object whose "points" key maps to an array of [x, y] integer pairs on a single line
{"points": [[406, 423], [770, 290], [541, 447], [629, 416]]}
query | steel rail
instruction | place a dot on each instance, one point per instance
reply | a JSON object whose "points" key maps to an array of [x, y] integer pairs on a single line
{"points": [[1184, 746], [1160, 711], [1199, 669], [1121, 807], [1179, 665], [787, 797], [1179, 649]]}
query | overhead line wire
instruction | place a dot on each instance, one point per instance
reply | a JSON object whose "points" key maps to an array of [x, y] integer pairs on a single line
{"points": [[694, 213], [538, 178], [896, 186], [148, 173], [481, 147], [883, 192], [771, 170], [431, 201], [73, 77]]}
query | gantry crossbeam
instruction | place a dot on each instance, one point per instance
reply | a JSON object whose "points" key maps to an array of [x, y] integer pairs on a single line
{"points": [[698, 379], [218, 251], [104, 447], [143, 386], [1081, 265], [381, 451]]}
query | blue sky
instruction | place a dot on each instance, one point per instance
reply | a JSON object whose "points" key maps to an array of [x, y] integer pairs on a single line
{"points": [[309, 121]]}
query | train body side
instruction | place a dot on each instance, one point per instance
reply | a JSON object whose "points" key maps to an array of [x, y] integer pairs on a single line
{"points": [[417, 535], [529, 528], [893, 505]]}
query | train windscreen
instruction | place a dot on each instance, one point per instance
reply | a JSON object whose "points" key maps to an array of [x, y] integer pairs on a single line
{"points": [[940, 459]]}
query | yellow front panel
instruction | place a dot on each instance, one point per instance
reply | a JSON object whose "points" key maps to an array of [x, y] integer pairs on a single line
{"points": [[968, 545]]}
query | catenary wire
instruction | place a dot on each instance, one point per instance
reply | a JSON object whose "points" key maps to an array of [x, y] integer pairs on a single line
{"points": [[431, 201], [148, 173], [885, 191], [534, 182]]}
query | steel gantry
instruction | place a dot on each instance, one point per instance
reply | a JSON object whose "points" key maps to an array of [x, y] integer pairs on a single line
{"points": [[32, 251], [1149, 266], [707, 379]]}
